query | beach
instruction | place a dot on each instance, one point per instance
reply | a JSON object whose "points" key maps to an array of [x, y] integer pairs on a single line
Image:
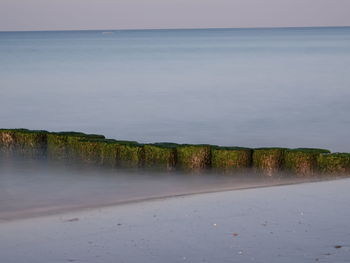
{"points": [[293, 223], [207, 153], [174, 131]]}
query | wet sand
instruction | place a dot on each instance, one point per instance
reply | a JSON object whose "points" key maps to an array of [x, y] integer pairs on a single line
{"points": [[294, 223]]}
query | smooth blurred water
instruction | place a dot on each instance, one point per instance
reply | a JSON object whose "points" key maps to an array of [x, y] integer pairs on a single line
{"points": [[36, 187], [245, 87]]}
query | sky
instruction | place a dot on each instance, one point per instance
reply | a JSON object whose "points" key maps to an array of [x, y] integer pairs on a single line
{"points": [[23, 15]]}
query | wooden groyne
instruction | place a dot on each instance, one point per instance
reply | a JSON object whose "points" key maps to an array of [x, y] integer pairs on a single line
{"points": [[97, 150]]}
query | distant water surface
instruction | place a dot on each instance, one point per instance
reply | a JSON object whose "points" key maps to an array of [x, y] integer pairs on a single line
{"points": [[245, 87]]}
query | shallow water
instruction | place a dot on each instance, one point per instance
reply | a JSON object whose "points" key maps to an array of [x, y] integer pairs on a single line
{"points": [[245, 87], [252, 87], [30, 188], [299, 223]]}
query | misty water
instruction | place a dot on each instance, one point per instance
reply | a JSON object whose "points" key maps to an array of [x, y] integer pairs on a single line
{"points": [[35, 187], [244, 87]]}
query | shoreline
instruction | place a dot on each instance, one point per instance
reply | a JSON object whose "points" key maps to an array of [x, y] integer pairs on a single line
{"points": [[294, 223], [52, 210]]}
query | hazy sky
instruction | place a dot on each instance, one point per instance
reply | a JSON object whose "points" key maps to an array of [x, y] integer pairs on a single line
{"points": [[127, 14]]}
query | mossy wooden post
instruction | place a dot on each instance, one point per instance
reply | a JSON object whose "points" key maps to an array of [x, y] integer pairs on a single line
{"points": [[7, 141], [160, 155], [109, 152], [32, 143], [129, 154], [231, 158], [193, 157], [57, 146], [302, 161], [88, 151], [66, 146], [7, 137], [334, 164], [24, 143], [95, 149], [268, 161]]}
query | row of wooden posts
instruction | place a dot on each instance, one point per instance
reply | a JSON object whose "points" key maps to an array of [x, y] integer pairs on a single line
{"points": [[97, 150]]}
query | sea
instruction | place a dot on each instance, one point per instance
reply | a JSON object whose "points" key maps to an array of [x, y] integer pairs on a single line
{"points": [[287, 87]]}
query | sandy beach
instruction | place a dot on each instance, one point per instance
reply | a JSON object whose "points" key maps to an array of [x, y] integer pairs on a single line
{"points": [[293, 223], [170, 131]]}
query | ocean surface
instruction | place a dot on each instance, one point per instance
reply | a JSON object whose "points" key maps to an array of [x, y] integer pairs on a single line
{"points": [[244, 87]]}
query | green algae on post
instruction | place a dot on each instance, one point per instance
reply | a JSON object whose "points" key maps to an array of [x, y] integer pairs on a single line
{"points": [[87, 151], [57, 146], [334, 163], [302, 161], [269, 161], [231, 158], [65, 145], [26, 143], [193, 157], [129, 154], [160, 155], [7, 138], [95, 149], [109, 151]]}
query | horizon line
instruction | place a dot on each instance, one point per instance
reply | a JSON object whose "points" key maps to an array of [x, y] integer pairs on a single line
{"points": [[160, 29]]}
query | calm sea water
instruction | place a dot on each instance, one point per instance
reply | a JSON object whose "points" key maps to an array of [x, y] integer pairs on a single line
{"points": [[245, 87]]}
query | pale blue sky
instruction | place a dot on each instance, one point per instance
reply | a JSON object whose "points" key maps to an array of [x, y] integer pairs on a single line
{"points": [[135, 14]]}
